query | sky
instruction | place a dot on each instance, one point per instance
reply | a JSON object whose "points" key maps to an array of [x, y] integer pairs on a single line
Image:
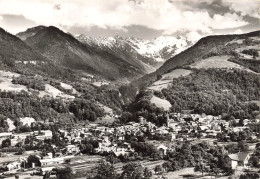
{"points": [[146, 19]]}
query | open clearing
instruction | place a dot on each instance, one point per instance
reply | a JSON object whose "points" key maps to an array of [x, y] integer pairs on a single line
{"points": [[161, 103], [146, 163], [100, 83], [218, 62], [167, 79], [257, 47], [54, 92], [105, 120], [188, 173], [6, 82], [107, 109], [215, 62], [239, 41], [69, 87]]}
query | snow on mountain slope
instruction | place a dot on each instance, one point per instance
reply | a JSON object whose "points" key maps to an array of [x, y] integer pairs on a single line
{"points": [[161, 48], [158, 50]]}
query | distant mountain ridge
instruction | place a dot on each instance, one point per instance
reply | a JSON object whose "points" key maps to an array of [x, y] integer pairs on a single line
{"points": [[63, 49], [113, 57], [151, 53], [13, 49]]}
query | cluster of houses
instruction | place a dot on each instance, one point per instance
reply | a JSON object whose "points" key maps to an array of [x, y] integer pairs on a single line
{"points": [[207, 126], [20, 137], [178, 127]]}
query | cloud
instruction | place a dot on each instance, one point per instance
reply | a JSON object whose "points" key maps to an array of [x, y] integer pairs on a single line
{"points": [[15, 23], [193, 36], [165, 16], [238, 31], [245, 7], [227, 20], [128, 31]]}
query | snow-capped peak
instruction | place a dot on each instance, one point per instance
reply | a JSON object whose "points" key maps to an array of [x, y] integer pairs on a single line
{"points": [[158, 49]]}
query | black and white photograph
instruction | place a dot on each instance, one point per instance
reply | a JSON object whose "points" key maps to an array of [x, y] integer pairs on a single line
{"points": [[129, 89]]}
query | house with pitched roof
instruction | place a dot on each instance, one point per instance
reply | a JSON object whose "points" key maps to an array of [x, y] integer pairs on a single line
{"points": [[239, 159]]}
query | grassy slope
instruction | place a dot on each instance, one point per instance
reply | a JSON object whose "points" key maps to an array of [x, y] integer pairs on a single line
{"points": [[193, 54]]}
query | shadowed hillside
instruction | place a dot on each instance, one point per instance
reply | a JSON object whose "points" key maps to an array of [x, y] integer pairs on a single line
{"points": [[65, 50]]}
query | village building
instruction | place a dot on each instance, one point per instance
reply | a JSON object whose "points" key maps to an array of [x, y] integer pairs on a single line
{"points": [[72, 149], [53, 161], [239, 159], [163, 149]]}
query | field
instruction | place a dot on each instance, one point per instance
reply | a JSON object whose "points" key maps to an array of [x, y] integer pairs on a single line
{"points": [[161, 103], [54, 92], [239, 50], [189, 173], [6, 82], [216, 62], [105, 120], [69, 87], [167, 79], [146, 163], [8, 157], [99, 84], [239, 41]]}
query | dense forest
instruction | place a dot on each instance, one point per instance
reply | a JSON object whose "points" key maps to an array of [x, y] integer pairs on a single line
{"points": [[34, 82], [215, 91], [23, 104], [142, 106], [252, 64], [210, 91]]}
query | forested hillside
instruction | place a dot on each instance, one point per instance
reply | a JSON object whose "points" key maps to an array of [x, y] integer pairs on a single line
{"points": [[13, 49], [215, 91], [205, 47], [223, 79], [66, 51]]}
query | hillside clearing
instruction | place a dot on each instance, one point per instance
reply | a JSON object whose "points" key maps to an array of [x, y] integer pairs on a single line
{"points": [[6, 82], [100, 83], [107, 119], [239, 41], [161, 103], [176, 74], [257, 47], [218, 62], [167, 79], [68, 87], [187, 173], [107, 109], [54, 92]]}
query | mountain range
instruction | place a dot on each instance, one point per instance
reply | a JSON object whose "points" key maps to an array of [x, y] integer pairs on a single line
{"points": [[151, 53], [113, 58], [112, 70]]}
